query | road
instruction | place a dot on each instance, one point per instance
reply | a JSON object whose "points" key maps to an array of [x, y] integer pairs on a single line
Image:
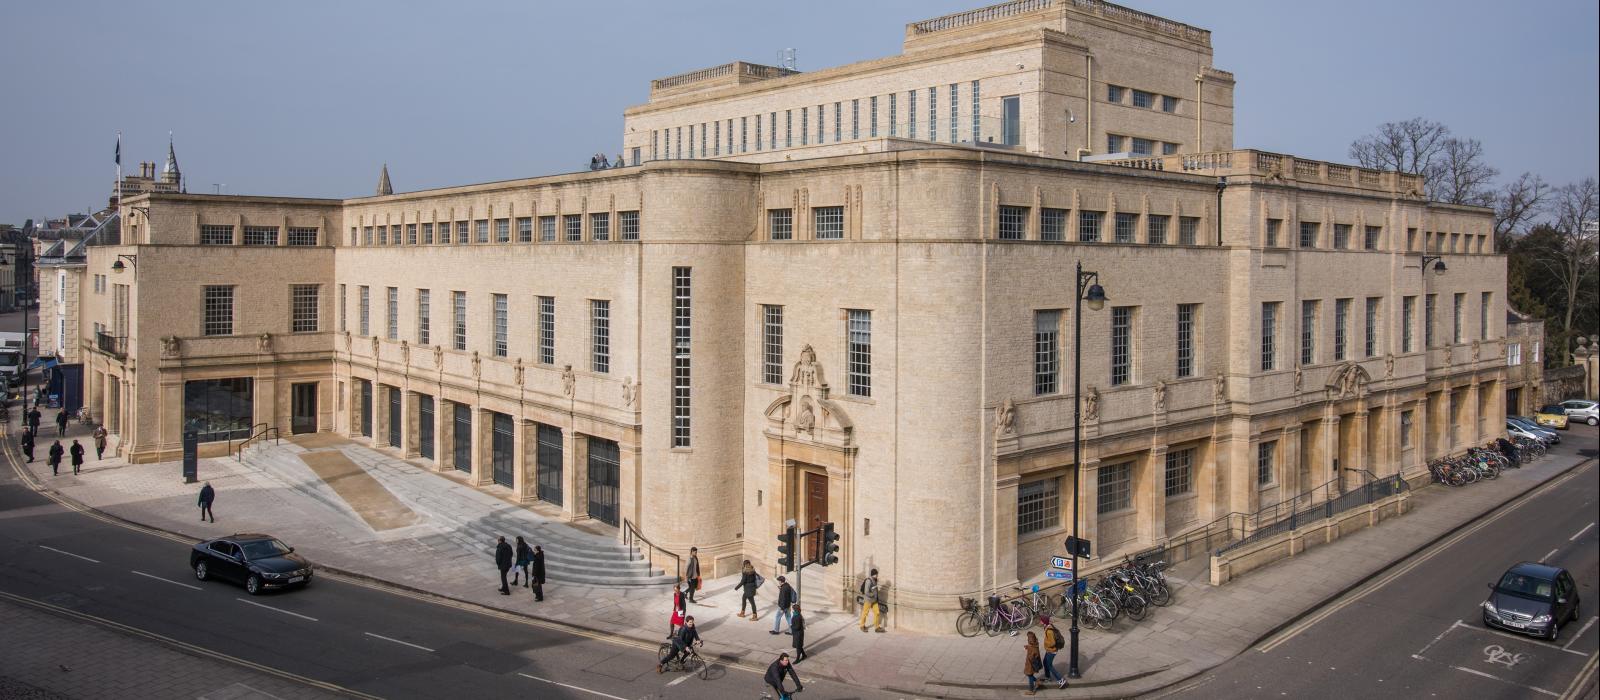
{"points": [[1417, 632], [339, 636]]}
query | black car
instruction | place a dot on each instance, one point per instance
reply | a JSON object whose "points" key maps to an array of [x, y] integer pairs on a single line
{"points": [[1532, 599], [258, 561]]}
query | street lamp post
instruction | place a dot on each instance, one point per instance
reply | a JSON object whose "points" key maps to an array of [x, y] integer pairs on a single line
{"points": [[1087, 289], [1437, 261]]}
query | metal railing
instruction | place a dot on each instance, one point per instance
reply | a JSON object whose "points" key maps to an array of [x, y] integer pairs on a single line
{"points": [[1320, 503], [631, 538], [114, 345], [262, 434], [980, 15]]}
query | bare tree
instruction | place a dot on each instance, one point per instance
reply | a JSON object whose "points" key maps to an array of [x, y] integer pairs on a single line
{"points": [[1410, 146], [1572, 262], [1459, 175], [1517, 202]]}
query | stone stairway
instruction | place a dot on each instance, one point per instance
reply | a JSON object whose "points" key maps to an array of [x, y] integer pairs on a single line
{"points": [[465, 517]]}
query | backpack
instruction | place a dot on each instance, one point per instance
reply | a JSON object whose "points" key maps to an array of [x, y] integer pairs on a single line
{"points": [[1052, 638]]}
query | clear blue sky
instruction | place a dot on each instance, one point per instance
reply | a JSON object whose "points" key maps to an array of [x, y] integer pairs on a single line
{"points": [[309, 98]]}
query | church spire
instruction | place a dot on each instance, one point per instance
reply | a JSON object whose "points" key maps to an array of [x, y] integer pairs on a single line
{"points": [[170, 173], [383, 182]]}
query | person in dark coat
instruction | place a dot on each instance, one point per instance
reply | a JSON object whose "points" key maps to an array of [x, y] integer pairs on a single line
{"points": [[100, 442], [797, 626], [536, 573], [692, 572], [776, 673], [56, 450], [27, 445], [77, 456], [503, 555], [524, 556], [747, 584], [33, 419], [785, 600], [208, 495], [61, 421]]}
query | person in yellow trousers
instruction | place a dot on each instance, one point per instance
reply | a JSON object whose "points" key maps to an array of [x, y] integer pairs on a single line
{"points": [[869, 601]]}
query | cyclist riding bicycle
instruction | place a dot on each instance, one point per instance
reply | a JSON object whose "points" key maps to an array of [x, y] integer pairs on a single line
{"points": [[686, 637], [775, 673]]}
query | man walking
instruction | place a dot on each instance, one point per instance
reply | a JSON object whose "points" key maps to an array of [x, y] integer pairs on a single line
{"points": [[207, 496], [536, 573], [56, 450], [503, 555], [33, 418], [797, 626], [785, 601], [27, 444], [61, 422], [77, 456], [1052, 644], [99, 442], [692, 572], [869, 601]]}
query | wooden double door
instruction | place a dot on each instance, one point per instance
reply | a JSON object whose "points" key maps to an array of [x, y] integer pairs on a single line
{"points": [[814, 494]]}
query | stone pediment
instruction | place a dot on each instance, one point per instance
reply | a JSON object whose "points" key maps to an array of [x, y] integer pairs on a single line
{"points": [[1348, 381], [806, 413]]}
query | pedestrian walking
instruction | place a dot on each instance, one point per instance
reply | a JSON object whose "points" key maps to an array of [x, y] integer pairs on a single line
{"points": [[536, 572], [503, 556], [56, 450], [27, 444], [99, 442], [1052, 644], [785, 601], [749, 581], [208, 496], [776, 673], [679, 608], [868, 598], [797, 627], [61, 422], [77, 456], [692, 572], [33, 418], [1031, 663], [524, 558]]}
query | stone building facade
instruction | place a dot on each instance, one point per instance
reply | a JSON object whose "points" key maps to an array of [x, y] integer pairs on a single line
{"points": [[874, 331]]}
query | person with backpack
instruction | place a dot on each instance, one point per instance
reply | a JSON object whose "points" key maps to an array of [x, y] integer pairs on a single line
{"points": [[1031, 663], [749, 581], [785, 601], [1052, 644], [868, 597]]}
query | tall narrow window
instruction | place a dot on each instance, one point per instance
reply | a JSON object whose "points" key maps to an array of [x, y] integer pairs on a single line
{"points": [[1308, 234], [955, 113], [364, 310], [1046, 351], [1180, 473], [855, 119], [771, 344], [547, 330], [1121, 345], [872, 124], [600, 335], [1186, 318], [1308, 332], [772, 130], [444, 232], [502, 325], [933, 113], [482, 228], [461, 233], [1456, 334], [391, 309], [343, 327], [821, 119], [1428, 313], [759, 142], [1406, 428], [217, 304], [788, 128], [838, 122], [1341, 236], [681, 344], [858, 365], [1274, 232], [1265, 474], [977, 115], [502, 230], [744, 134], [1374, 235], [427, 234], [1269, 336], [525, 229], [805, 125], [458, 319], [424, 317], [1408, 321], [911, 112], [1341, 319], [1372, 326], [1011, 120], [411, 235], [1483, 315]]}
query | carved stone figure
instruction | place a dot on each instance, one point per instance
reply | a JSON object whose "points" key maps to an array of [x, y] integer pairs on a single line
{"points": [[1220, 388], [349, 341], [1005, 419], [405, 353], [264, 343], [374, 347], [1449, 354], [1477, 350], [806, 370], [568, 380], [1091, 404], [630, 391], [806, 420], [438, 356], [171, 346], [519, 370], [1388, 366], [477, 365], [1161, 395], [1299, 379], [1348, 381]]}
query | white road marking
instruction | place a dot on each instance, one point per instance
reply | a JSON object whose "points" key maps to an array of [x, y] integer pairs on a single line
{"points": [[1580, 533], [1579, 635], [397, 641], [168, 580], [1551, 553], [677, 680], [1518, 638], [572, 687], [70, 554], [1491, 676], [280, 610], [1446, 631]]}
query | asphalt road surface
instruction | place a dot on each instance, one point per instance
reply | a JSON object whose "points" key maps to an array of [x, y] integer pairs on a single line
{"points": [[338, 635], [1416, 631]]}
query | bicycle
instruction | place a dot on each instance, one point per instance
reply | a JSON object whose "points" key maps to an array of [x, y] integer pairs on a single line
{"points": [[1009, 616], [689, 661], [766, 693], [1039, 603], [1125, 595]]}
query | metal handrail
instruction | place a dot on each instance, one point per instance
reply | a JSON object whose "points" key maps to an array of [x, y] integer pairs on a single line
{"points": [[251, 434], [269, 430], [631, 537]]}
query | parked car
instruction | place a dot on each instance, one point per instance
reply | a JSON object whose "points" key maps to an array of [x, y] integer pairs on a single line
{"points": [[1552, 415], [260, 562], [1582, 410], [1516, 430], [1548, 435], [1532, 599]]}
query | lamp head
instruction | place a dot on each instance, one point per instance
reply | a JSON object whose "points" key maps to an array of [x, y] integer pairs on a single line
{"points": [[1096, 297], [1438, 267], [118, 266]]}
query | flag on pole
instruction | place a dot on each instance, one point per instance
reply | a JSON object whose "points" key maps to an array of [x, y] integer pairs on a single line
{"points": [[119, 148]]}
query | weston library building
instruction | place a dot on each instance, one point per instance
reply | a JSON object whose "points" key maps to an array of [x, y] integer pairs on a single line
{"points": [[846, 296]]}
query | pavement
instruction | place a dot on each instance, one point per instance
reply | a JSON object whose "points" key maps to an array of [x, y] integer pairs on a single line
{"points": [[444, 555]]}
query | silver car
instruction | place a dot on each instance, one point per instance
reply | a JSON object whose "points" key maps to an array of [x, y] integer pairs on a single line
{"points": [[1582, 410]]}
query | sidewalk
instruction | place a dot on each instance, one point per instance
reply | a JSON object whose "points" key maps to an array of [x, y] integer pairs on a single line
{"points": [[443, 554]]}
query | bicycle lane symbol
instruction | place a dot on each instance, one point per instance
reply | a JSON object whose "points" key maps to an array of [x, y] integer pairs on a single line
{"points": [[1497, 655]]}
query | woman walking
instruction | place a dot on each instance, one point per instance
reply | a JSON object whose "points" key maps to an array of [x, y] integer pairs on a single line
{"points": [[748, 582], [524, 558], [1031, 663], [679, 604]]}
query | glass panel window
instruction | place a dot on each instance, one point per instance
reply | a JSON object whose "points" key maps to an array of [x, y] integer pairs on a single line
{"points": [[628, 223], [681, 360], [444, 232], [1372, 326], [1052, 224], [458, 319], [219, 409], [216, 234], [1143, 147], [1265, 473], [1011, 120], [1341, 320], [502, 325], [600, 334], [1114, 143], [427, 234], [771, 344], [411, 234], [424, 317], [547, 330], [217, 308], [780, 224], [1341, 236], [1113, 488], [392, 313], [1169, 103], [1483, 315], [600, 226], [302, 236], [1114, 93], [1460, 301], [304, 303], [1269, 336], [547, 229], [1126, 224], [1187, 313], [1013, 223], [1408, 320], [1155, 226], [1143, 99], [573, 225], [858, 366], [828, 222], [481, 226], [1046, 351], [1374, 234], [1274, 232], [1308, 234], [261, 235], [976, 112], [1169, 148], [366, 235], [461, 232], [1188, 230], [502, 230], [525, 229], [1429, 303], [364, 310], [342, 318], [1121, 345], [1180, 473], [1308, 332], [1089, 226], [1038, 505]]}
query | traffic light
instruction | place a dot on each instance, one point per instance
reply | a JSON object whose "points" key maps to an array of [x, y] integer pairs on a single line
{"points": [[830, 545], [786, 549]]}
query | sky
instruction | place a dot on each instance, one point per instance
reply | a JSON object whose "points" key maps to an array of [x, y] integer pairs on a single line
{"points": [[311, 98]]}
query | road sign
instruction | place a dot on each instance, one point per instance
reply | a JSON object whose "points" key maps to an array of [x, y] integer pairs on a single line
{"points": [[1064, 575], [1061, 562]]}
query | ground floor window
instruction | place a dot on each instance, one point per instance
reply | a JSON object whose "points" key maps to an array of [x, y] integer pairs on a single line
{"points": [[219, 409], [1038, 505]]}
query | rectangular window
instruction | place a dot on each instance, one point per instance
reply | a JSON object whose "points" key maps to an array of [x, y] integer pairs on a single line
{"points": [[1265, 473], [547, 229], [342, 318], [855, 119], [1534, 356], [1428, 313], [1169, 148], [525, 229], [1011, 120], [911, 112], [805, 125], [392, 314], [1113, 488], [458, 319], [1374, 234], [302, 236], [1483, 315], [1038, 505], [1126, 225], [424, 317], [1052, 224], [858, 366], [411, 235], [1408, 320], [1406, 421], [1274, 232], [955, 112], [214, 234], [1046, 351], [759, 142], [427, 234], [1186, 319], [1089, 226], [600, 226], [872, 123], [1456, 334], [838, 122], [1143, 99], [261, 235], [744, 133], [1121, 345], [217, 306], [828, 223], [364, 310], [1155, 229], [481, 226], [788, 128], [780, 224], [502, 230], [1341, 236], [1114, 93], [1341, 318], [461, 233], [1513, 354], [894, 127], [1143, 147], [771, 344], [547, 330], [304, 302], [1269, 336], [1308, 234], [444, 232], [366, 235], [681, 365], [383, 234], [1114, 143], [1013, 223], [573, 224], [1308, 332], [502, 325], [1169, 104], [1188, 230], [1372, 326], [933, 113], [628, 225], [1180, 473], [821, 128], [600, 335], [1411, 239], [772, 129]]}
